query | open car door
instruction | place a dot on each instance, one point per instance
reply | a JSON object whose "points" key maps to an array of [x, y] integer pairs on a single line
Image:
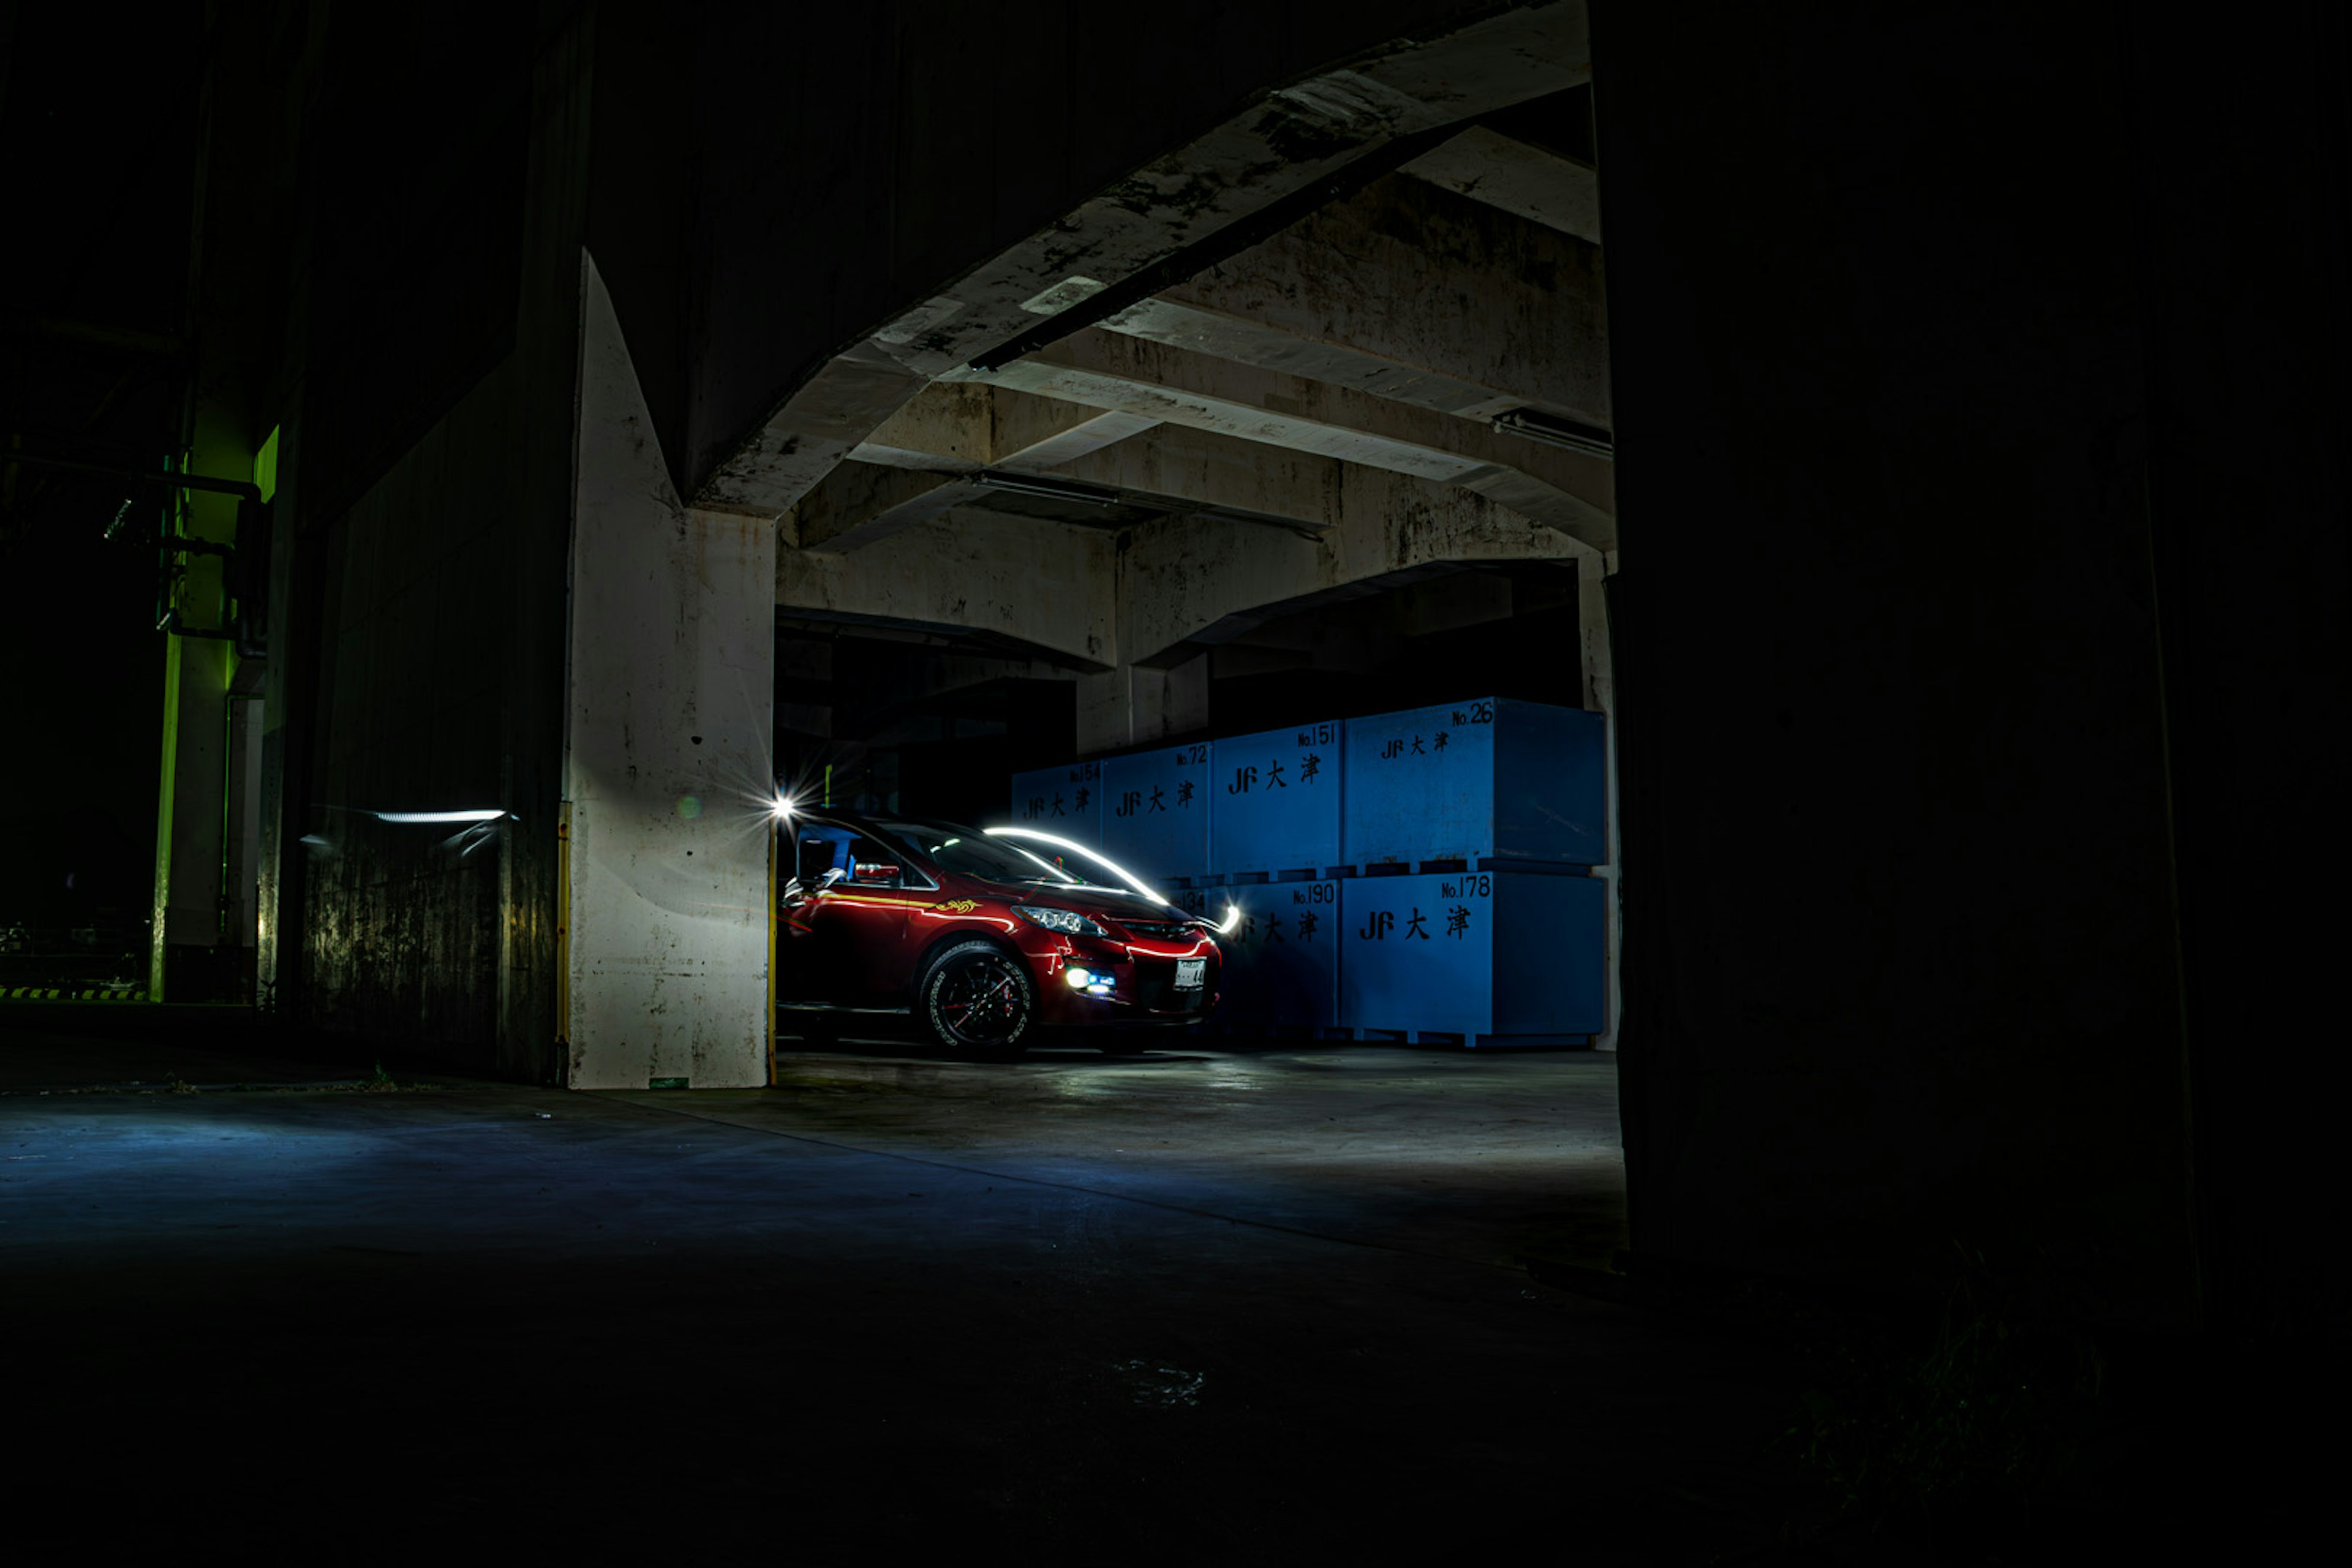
{"points": [[844, 918]]}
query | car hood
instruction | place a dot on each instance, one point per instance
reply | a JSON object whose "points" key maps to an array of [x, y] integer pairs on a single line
{"points": [[1092, 902]]}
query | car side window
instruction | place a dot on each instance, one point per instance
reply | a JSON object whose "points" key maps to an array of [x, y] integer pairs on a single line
{"points": [[820, 854]]}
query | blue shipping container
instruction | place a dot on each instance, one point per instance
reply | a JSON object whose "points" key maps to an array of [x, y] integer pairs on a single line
{"points": [[1064, 801], [1485, 779], [1155, 812], [1278, 801], [1492, 957], [1282, 960]]}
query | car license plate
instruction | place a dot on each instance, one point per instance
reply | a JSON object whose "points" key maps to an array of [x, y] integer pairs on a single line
{"points": [[1188, 972]]}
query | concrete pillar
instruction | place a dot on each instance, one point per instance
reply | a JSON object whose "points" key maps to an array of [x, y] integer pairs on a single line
{"points": [[187, 818], [201, 937], [1599, 696], [667, 764], [1129, 705]]}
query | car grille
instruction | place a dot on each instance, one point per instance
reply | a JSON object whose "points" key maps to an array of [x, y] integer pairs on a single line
{"points": [[1154, 987], [1162, 931]]}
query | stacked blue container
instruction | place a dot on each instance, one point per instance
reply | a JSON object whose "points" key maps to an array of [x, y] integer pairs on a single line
{"points": [[1488, 780], [1419, 875], [1474, 958], [1156, 813], [1274, 840], [1469, 827], [1065, 801], [1281, 954], [1278, 797]]}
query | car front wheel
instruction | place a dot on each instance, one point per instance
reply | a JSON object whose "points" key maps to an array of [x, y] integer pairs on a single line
{"points": [[977, 1001]]}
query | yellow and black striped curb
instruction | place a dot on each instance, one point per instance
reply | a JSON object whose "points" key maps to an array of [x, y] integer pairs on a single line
{"points": [[67, 994]]}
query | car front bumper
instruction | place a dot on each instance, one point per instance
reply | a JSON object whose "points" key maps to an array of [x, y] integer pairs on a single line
{"points": [[1142, 980]]}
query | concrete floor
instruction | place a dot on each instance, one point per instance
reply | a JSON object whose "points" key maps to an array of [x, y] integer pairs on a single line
{"points": [[1229, 1303]]}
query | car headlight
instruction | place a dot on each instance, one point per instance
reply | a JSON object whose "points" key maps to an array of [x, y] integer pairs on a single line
{"points": [[1058, 920]]}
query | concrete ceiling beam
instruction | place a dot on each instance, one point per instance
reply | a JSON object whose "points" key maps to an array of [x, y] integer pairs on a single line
{"points": [[1573, 491], [1196, 470], [1092, 599], [961, 427], [859, 503], [1409, 292], [1038, 585], [1511, 176], [1181, 576], [1173, 468], [1285, 143]]}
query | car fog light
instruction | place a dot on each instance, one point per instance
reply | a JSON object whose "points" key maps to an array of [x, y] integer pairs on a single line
{"points": [[1097, 990], [1080, 978]]}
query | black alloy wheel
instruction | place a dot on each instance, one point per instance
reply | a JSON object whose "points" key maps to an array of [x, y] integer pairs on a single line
{"points": [[979, 1002]]}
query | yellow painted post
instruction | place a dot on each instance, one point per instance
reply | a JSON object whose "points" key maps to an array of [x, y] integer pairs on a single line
{"points": [[563, 939], [775, 825]]}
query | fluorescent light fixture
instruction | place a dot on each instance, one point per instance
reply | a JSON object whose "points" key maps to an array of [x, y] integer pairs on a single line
{"points": [[1122, 872], [1553, 431], [487, 814], [1046, 490]]}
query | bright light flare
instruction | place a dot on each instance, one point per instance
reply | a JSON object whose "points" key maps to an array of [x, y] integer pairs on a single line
{"points": [[1122, 872], [1233, 919]]}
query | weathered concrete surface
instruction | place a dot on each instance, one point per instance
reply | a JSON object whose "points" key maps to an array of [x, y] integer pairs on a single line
{"points": [[1573, 491], [1410, 292], [1134, 705], [859, 503], [1284, 142], [667, 779], [1526, 182], [1596, 651], [958, 428], [1036, 584], [1182, 575], [401, 932], [1316, 524], [926, 459], [1214, 454]]}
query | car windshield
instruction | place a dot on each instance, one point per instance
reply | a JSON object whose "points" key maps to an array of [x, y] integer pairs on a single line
{"points": [[970, 852]]}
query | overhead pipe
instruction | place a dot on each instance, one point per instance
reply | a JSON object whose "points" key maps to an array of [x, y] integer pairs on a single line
{"points": [[252, 519], [241, 489]]}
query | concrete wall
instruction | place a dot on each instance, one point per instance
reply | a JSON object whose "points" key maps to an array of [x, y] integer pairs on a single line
{"points": [[426, 493], [667, 777], [414, 604], [1902, 934]]}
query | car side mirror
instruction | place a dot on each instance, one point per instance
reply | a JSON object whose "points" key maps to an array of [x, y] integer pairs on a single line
{"points": [[876, 873]]}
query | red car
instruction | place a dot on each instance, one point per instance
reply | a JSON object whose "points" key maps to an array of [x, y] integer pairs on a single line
{"points": [[984, 936]]}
